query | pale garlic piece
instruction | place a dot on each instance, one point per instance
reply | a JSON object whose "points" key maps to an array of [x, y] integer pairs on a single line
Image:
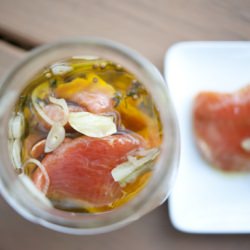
{"points": [[43, 170], [63, 104], [15, 154], [16, 126], [55, 137], [128, 171], [60, 68], [91, 124], [245, 144]]}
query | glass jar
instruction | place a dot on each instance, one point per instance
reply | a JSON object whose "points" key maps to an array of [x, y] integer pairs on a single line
{"points": [[156, 191]]}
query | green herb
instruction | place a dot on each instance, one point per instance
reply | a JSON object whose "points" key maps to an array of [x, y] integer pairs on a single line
{"points": [[132, 92], [23, 101], [125, 101], [92, 125], [135, 90], [68, 79], [83, 75], [53, 83], [117, 98]]}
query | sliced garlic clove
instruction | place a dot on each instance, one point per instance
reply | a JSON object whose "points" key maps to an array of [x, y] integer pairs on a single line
{"points": [[91, 124], [55, 137], [245, 144], [63, 104], [60, 69], [16, 126], [128, 171], [136, 173], [15, 154], [148, 155], [43, 170], [122, 171]]}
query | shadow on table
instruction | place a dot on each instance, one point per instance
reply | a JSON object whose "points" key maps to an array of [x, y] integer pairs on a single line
{"points": [[154, 231]]}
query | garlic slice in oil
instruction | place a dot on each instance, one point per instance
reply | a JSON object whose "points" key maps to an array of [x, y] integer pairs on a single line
{"points": [[91, 124], [60, 68], [55, 137], [128, 171], [63, 104], [39, 108], [40, 111], [15, 154], [43, 170], [16, 126]]}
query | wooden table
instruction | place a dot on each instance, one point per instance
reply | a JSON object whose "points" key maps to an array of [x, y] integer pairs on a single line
{"points": [[149, 27]]}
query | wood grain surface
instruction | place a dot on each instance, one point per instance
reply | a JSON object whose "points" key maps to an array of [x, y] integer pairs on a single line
{"points": [[149, 27], [9, 55], [145, 25]]}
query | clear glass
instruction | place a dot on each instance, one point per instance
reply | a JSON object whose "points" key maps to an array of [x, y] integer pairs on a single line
{"points": [[158, 187]]}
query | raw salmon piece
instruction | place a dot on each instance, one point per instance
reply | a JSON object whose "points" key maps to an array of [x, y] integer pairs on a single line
{"points": [[80, 169], [92, 93], [221, 124], [93, 102]]}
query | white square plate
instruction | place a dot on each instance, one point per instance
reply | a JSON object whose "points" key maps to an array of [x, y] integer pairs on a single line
{"points": [[205, 200]]}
